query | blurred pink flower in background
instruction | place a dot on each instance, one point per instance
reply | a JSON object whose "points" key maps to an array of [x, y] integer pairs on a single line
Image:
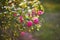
{"points": [[22, 33], [27, 36]]}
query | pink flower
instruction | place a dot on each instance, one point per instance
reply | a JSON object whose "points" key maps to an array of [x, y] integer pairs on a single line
{"points": [[22, 33], [29, 23], [40, 12], [36, 20], [21, 19]]}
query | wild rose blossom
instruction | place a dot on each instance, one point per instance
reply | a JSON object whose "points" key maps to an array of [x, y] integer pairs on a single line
{"points": [[40, 12], [29, 23], [36, 20]]}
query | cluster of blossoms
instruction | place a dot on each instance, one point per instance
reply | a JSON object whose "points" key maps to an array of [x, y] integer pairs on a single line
{"points": [[23, 16], [29, 15]]}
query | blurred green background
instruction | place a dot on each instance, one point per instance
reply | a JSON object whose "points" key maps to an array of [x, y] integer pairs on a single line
{"points": [[51, 21]]}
